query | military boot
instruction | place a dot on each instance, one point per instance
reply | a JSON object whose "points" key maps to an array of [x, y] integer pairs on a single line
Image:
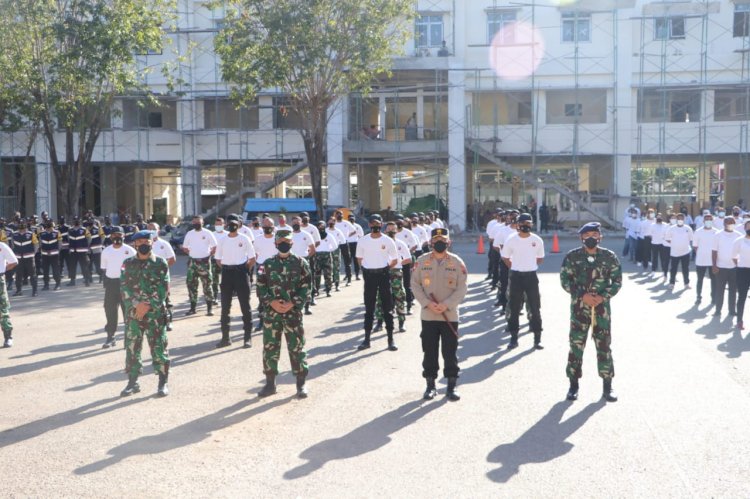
{"points": [[57, 286], [225, 341], [192, 309], [8, 339], [163, 389], [391, 344], [451, 393], [109, 342], [133, 387], [513, 340], [312, 300], [307, 309], [366, 343], [378, 326], [301, 389], [608, 392], [209, 309], [328, 292], [430, 392], [538, 341], [573, 391], [45, 287], [270, 388], [401, 328]]}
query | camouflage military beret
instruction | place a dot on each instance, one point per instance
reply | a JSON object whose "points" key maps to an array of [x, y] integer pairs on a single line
{"points": [[283, 234]]}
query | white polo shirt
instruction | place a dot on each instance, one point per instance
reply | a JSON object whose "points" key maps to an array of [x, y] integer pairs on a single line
{"points": [[346, 228], [703, 241], [658, 231], [247, 232], [265, 248], [360, 233], [301, 242], [199, 243], [235, 250], [403, 253], [723, 246], [327, 244], [679, 240], [7, 256], [407, 237], [257, 233], [337, 234], [502, 235], [312, 230], [112, 259], [741, 252], [523, 252], [376, 253], [421, 234], [163, 249]]}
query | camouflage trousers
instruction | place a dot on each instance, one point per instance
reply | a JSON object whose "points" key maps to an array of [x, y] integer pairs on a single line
{"points": [[313, 278], [336, 256], [290, 325], [397, 292], [323, 264], [580, 322], [200, 271], [156, 334], [215, 278], [7, 327]]}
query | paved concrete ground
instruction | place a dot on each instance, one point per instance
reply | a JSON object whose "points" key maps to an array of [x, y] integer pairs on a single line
{"points": [[680, 427]]}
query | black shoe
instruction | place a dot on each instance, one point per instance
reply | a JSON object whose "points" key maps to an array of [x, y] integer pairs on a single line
{"points": [[513, 343], [307, 310], [224, 342], [392, 346], [18, 293], [697, 300], [497, 303], [109, 342], [247, 344], [34, 293], [364, 345], [191, 311], [538, 341], [163, 389], [8, 342], [451, 393], [301, 388], [337, 288], [538, 346], [378, 327], [45, 287], [401, 328], [430, 392], [717, 313], [57, 286], [209, 309], [572, 391], [488, 278], [608, 393], [169, 326], [131, 388], [270, 387]]}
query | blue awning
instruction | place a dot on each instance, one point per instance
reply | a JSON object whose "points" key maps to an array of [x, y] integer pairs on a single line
{"points": [[279, 205]]}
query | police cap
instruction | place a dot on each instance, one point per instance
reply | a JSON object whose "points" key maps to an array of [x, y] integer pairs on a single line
{"points": [[440, 233]]}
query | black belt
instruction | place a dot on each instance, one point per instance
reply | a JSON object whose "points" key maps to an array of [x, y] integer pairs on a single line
{"points": [[523, 272], [242, 267], [383, 270], [201, 260]]}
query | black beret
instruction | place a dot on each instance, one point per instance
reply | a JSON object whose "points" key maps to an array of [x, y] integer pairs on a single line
{"points": [[413, 215], [525, 217], [117, 229], [304, 214], [376, 218], [590, 227]]}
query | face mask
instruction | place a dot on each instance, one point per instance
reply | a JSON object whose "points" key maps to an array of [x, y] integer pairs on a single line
{"points": [[339, 218], [331, 225], [659, 220], [722, 213], [284, 247], [219, 228], [730, 227], [736, 214], [400, 225], [680, 223], [708, 224], [525, 229], [323, 234], [633, 215], [295, 227], [144, 249], [305, 220], [391, 234], [673, 221], [117, 240], [747, 232], [440, 246], [197, 226], [233, 228], [268, 230], [651, 216], [375, 229], [256, 224], [591, 242]]}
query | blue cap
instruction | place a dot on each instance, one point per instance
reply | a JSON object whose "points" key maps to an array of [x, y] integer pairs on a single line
{"points": [[116, 229], [143, 234], [590, 227]]}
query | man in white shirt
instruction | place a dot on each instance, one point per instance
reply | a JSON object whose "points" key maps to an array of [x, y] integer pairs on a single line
{"points": [[219, 234], [724, 268], [324, 258], [501, 235], [645, 230], [163, 249], [406, 236], [377, 254], [631, 245], [352, 242], [348, 231], [522, 253], [680, 238], [111, 264], [235, 255], [420, 232], [703, 242], [255, 228], [398, 290], [493, 256], [265, 248], [340, 239], [199, 245], [303, 246], [659, 251], [8, 262]]}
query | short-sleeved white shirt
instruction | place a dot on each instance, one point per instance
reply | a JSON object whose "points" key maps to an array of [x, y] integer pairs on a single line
{"points": [[403, 253], [163, 249], [658, 231], [112, 259], [502, 235], [523, 252], [408, 237], [679, 239], [265, 248], [421, 233], [703, 241], [346, 228], [723, 246], [301, 242], [327, 244], [312, 230], [257, 233], [235, 250], [247, 232], [376, 253], [741, 252], [337, 234], [7, 256], [491, 227], [360, 233], [199, 243]]}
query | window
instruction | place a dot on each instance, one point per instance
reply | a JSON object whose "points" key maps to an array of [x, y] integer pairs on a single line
{"points": [[731, 105], [565, 107], [137, 115], [501, 21], [221, 113], [576, 27], [285, 115], [429, 31], [741, 19], [669, 28], [501, 108], [671, 106], [573, 110]]}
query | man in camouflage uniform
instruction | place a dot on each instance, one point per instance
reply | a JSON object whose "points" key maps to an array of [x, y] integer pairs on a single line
{"points": [[324, 259], [284, 284], [396, 274], [8, 262], [144, 282], [592, 275], [200, 245]]}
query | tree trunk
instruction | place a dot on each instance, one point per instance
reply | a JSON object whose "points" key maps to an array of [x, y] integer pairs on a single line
{"points": [[314, 152]]}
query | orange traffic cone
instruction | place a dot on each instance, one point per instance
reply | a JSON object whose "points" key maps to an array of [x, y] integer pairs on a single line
{"points": [[480, 246], [555, 244]]}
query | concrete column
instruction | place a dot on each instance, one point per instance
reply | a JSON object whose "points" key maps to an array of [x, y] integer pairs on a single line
{"points": [[44, 186], [386, 192], [382, 122], [420, 112], [369, 189], [735, 183], [456, 150], [623, 118], [190, 172], [338, 171]]}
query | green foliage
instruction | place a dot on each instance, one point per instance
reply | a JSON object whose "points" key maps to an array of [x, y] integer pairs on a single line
{"points": [[312, 50]]}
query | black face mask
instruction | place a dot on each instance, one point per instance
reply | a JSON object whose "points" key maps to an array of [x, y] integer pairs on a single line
{"points": [[339, 218], [331, 225], [375, 229], [233, 227], [323, 234], [524, 228], [391, 234], [747, 232], [305, 220], [400, 225], [295, 227], [591, 242], [256, 224], [144, 249], [197, 226], [268, 230], [284, 247], [440, 246], [117, 240]]}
